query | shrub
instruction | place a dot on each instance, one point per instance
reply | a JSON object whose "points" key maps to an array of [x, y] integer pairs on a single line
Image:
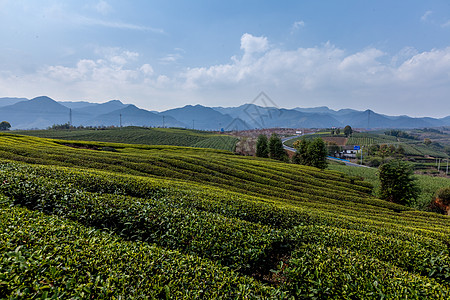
{"points": [[441, 201]]}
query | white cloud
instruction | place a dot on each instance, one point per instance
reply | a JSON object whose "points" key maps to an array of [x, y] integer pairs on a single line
{"points": [[252, 44], [170, 58], [103, 7], [117, 56], [403, 55], [322, 75], [446, 24], [327, 74], [364, 62], [146, 69], [58, 12], [426, 15], [298, 25], [87, 21], [426, 69]]}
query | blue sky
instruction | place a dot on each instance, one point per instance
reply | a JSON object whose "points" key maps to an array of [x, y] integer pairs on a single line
{"points": [[389, 56]]}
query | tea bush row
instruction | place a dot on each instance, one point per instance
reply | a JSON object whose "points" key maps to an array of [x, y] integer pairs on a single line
{"points": [[43, 256], [411, 256], [231, 242], [264, 211], [318, 272]]}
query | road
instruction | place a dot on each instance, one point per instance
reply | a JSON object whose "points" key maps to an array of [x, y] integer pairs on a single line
{"points": [[346, 162]]}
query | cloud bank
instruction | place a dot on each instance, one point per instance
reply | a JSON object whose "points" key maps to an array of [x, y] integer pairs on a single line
{"points": [[407, 82]]}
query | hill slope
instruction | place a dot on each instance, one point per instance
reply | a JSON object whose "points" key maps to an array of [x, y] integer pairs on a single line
{"points": [[205, 118], [133, 116], [172, 211], [145, 136], [35, 113]]}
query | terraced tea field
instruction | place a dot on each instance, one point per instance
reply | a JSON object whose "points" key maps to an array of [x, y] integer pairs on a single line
{"points": [[141, 135], [102, 220]]}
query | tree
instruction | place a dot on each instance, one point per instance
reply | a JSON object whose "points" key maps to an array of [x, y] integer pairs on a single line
{"points": [[397, 182], [400, 150], [317, 152], [311, 153], [447, 150], [384, 151], [333, 148], [4, 126], [427, 142], [348, 131], [276, 150], [301, 155], [262, 149], [338, 131]]}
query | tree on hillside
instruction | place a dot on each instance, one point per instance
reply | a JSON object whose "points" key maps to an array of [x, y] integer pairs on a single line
{"points": [[276, 150], [400, 150], [447, 150], [317, 151], [262, 148], [4, 125], [311, 153], [301, 155], [333, 148], [397, 182], [348, 131]]}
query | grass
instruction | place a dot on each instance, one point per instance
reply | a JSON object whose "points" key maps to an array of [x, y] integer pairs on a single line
{"points": [[177, 222]]}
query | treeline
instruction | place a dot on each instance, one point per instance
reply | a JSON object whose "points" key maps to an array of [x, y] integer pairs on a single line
{"points": [[400, 134], [68, 126], [308, 152]]}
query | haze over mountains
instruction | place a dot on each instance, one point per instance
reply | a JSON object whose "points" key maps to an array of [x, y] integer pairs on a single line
{"points": [[43, 112]]}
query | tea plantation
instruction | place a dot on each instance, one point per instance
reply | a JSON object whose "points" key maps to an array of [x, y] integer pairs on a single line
{"points": [[125, 221], [142, 135]]}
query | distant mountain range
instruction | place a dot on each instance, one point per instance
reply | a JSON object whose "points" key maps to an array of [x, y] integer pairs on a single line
{"points": [[43, 112]]}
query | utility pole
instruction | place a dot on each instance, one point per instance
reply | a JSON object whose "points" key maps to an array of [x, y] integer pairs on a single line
{"points": [[193, 122], [361, 155], [120, 122], [439, 164], [446, 172], [164, 126], [70, 116]]}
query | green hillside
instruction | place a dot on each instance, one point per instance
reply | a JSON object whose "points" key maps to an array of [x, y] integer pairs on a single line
{"points": [[102, 220], [428, 185], [141, 135]]}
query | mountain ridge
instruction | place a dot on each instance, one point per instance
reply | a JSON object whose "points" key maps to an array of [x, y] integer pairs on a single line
{"points": [[43, 112]]}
